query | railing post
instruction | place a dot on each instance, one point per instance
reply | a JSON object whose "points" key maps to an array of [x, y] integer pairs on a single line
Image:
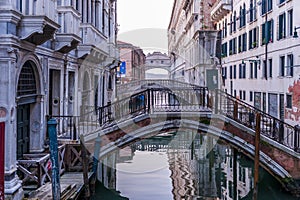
{"points": [[54, 159], [100, 115], [97, 149], [235, 110], [148, 100], [296, 138], [281, 132], [256, 156], [203, 97], [216, 101], [85, 161]]}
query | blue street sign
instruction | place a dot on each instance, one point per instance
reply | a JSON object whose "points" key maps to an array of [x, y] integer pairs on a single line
{"points": [[123, 68]]}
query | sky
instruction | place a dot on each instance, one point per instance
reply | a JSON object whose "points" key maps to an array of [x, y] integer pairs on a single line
{"points": [[144, 23]]}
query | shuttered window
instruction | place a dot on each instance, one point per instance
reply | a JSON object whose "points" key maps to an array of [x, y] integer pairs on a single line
{"points": [[281, 26]]}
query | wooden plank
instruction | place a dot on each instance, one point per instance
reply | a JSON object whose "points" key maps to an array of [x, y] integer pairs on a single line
{"points": [[71, 184]]}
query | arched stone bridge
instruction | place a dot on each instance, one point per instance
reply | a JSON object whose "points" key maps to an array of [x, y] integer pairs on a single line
{"points": [[156, 107]]}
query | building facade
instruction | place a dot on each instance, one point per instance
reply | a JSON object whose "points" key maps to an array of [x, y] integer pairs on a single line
{"points": [[133, 60], [192, 42], [57, 57], [157, 65], [260, 56]]}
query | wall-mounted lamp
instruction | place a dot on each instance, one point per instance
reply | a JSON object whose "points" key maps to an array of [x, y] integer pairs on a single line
{"points": [[295, 35]]}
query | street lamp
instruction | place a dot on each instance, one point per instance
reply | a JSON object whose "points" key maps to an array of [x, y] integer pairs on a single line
{"points": [[295, 35]]}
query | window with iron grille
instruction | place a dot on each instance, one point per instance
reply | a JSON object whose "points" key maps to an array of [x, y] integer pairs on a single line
{"points": [[27, 82]]}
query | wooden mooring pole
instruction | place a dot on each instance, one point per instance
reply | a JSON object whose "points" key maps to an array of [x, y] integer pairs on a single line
{"points": [[54, 159], [256, 158], [85, 168], [2, 160]]}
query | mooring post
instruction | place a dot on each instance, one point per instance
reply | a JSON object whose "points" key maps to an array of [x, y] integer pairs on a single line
{"points": [[256, 158], [54, 159], [95, 163], [2, 160], [85, 168]]}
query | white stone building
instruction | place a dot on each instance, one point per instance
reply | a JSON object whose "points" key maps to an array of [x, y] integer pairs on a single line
{"points": [[57, 57], [192, 42], [260, 57]]}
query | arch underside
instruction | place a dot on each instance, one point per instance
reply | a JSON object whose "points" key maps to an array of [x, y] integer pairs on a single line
{"points": [[182, 124]]}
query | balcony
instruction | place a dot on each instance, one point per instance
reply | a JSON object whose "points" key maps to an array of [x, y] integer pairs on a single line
{"points": [[91, 53], [37, 29], [192, 10], [220, 9], [66, 42]]}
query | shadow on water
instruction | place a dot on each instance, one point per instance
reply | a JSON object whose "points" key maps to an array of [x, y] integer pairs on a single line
{"points": [[106, 194]]}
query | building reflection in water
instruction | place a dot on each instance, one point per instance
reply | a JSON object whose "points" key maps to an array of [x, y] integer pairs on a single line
{"points": [[200, 167]]}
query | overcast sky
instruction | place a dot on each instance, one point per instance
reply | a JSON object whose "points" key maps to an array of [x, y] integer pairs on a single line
{"points": [[144, 23]]}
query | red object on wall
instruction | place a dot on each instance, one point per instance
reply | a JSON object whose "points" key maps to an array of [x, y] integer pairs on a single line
{"points": [[2, 142]]}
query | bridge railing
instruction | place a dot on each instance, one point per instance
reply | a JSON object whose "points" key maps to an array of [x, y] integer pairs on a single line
{"points": [[155, 100], [246, 114]]}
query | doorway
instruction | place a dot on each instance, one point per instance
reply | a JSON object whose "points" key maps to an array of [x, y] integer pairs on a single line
{"points": [[23, 129]]}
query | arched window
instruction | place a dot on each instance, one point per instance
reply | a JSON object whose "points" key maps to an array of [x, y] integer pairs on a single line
{"points": [[27, 82]]}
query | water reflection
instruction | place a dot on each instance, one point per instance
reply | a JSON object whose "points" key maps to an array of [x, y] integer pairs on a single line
{"points": [[185, 165]]}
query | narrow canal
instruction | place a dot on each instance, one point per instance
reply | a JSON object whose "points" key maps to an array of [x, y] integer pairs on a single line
{"points": [[184, 165]]}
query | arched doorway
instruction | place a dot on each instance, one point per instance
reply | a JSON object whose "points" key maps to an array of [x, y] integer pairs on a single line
{"points": [[26, 97]]}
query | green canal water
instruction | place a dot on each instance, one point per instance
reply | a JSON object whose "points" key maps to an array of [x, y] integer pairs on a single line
{"points": [[186, 165]]}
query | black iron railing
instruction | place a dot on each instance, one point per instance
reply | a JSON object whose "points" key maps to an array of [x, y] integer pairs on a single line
{"points": [[155, 100], [246, 114]]}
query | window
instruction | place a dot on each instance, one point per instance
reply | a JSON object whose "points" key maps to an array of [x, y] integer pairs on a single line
{"points": [[225, 28], [234, 71], [231, 23], [273, 104], [232, 46], [255, 70], [289, 102], [242, 71], [241, 94], [244, 95], [264, 102], [224, 49], [264, 71], [243, 16], [290, 64], [270, 67], [267, 32], [224, 72], [234, 21], [240, 43], [290, 23], [251, 96], [245, 42], [252, 10], [234, 93], [266, 6], [251, 70], [253, 42], [281, 27], [230, 71], [281, 65], [281, 1]]}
